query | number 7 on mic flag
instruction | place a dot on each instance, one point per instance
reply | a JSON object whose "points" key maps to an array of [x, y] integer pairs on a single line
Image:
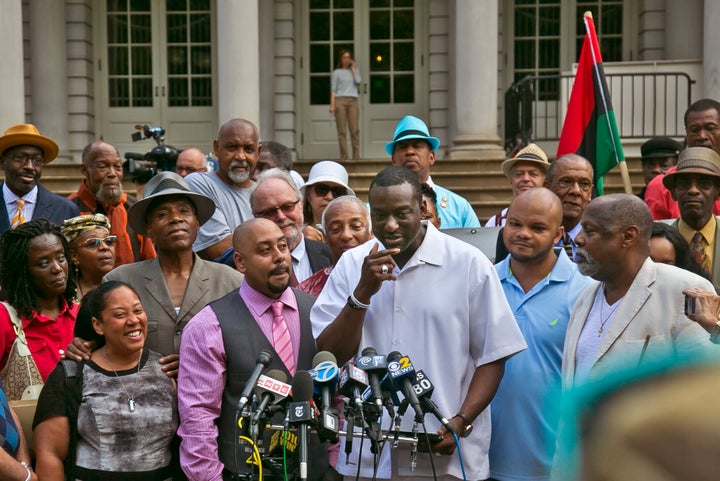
{"points": [[590, 129]]}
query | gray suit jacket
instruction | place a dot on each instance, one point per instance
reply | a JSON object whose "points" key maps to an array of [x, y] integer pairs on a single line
{"points": [[650, 320], [208, 281]]}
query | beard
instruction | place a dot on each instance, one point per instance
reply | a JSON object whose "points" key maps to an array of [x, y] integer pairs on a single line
{"points": [[238, 177], [586, 264], [292, 234], [109, 196]]}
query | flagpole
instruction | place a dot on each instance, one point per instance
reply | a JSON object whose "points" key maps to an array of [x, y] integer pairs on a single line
{"points": [[623, 165]]}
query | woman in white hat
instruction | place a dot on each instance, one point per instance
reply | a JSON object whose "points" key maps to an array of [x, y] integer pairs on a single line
{"points": [[327, 180]]}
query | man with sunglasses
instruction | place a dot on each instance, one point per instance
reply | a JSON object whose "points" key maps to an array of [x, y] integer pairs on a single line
{"points": [[277, 198], [23, 153]]}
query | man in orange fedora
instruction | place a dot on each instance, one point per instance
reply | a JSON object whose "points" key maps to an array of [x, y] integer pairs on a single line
{"points": [[23, 153]]}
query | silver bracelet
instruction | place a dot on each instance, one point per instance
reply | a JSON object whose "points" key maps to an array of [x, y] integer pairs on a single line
{"points": [[27, 468], [360, 305]]}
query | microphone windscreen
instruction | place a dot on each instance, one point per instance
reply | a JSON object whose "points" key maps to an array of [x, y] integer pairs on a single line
{"points": [[323, 356], [369, 351], [277, 374], [393, 356], [264, 357], [302, 386]]}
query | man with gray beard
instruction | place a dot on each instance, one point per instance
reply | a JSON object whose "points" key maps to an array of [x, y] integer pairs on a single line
{"points": [[101, 192], [635, 312], [237, 150]]}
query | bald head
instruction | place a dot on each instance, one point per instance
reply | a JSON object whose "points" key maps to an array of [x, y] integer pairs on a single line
{"points": [[233, 125], [191, 160], [245, 233], [262, 255], [538, 199]]}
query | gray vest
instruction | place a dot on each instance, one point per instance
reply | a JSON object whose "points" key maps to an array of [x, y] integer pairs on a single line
{"points": [[243, 339]]}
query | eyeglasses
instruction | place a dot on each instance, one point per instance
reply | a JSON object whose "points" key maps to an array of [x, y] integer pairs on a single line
{"points": [[321, 190], [189, 170], [94, 242], [287, 208], [584, 185], [22, 159]]}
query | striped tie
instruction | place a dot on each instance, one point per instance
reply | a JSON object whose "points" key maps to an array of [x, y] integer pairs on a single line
{"points": [[18, 217], [281, 338]]}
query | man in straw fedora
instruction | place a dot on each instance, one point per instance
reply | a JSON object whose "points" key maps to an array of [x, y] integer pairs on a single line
{"points": [[525, 171], [23, 154]]}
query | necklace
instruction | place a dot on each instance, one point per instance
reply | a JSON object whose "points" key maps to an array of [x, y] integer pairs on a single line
{"points": [[605, 319], [130, 397]]}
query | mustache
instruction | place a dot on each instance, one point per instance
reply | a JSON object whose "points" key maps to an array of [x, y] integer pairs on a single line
{"points": [[239, 163], [281, 269]]}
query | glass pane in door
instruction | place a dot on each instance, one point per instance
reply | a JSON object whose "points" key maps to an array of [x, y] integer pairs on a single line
{"points": [[189, 53], [129, 49], [392, 51]]}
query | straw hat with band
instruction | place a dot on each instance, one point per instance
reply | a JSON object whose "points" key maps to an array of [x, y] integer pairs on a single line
{"points": [[28, 134], [328, 171], [411, 127], [166, 184], [531, 153], [695, 160]]}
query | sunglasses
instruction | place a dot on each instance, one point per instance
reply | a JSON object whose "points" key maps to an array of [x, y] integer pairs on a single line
{"points": [[321, 190], [94, 242]]}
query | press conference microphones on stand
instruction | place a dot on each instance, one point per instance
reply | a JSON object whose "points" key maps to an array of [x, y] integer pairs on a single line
{"points": [[375, 366], [302, 414], [424, 389], [263, 359]]}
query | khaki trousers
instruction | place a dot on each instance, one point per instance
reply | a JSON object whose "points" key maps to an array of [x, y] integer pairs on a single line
{"points": [[347, 115]]}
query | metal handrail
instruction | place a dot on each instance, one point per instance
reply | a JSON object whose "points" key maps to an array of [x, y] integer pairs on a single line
{"points": [[645, 104]]}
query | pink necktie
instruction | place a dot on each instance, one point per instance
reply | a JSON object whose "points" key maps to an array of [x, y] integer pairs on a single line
{"points": [[281, 338]]}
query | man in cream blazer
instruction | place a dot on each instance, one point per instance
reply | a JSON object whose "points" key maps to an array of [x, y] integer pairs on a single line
{"points": [[636, 311]]}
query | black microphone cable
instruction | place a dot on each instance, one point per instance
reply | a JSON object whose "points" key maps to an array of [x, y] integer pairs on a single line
{"points": [[430, 451]]}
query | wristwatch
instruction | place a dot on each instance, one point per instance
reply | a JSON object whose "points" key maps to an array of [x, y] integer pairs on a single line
{"points": [[467, 425]]}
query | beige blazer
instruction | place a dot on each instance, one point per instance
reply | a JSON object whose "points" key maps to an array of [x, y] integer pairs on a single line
{"points": [[652, 313], [208, 281]]}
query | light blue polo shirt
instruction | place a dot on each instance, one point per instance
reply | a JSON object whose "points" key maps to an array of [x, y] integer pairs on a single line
{"points": [[523, 429]]}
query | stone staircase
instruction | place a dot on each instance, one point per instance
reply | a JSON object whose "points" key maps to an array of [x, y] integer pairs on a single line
{"points": [[480, 181]]}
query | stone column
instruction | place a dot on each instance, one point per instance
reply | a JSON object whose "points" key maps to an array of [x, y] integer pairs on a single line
{"points": [[475, 54], [711, 60], [48, 71], [12, 70], [238, 50]]}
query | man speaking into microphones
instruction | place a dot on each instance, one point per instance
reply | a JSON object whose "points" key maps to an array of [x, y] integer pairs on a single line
{"points": [[431, 297], [219, 348]]}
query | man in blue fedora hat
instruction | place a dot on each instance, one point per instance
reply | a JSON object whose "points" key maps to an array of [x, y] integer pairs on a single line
{"points": [[413, 148]]}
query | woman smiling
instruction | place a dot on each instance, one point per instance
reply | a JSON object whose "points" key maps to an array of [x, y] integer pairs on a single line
{"points": [[119, 394]]}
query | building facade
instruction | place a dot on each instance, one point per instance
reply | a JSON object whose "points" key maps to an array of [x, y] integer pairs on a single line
{"points": [[88, 69]]}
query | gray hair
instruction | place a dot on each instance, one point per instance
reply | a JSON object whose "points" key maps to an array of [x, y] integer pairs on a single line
{"points": [[274, 173], [346, 199]]}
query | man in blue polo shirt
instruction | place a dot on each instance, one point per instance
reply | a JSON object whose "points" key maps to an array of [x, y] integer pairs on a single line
{"points": [[541, 285], [413, 148]]}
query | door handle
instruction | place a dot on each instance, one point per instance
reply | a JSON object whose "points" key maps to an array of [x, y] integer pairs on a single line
{"points": [[163, 91], [365, 88], [156, 91]]}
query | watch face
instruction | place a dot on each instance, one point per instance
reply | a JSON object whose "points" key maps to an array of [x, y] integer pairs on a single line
{"points": [[467, 431]]}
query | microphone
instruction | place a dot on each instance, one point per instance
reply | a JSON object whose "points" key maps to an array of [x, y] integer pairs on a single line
{"points": [[402, 373], [324, 375], [423, 389], [375, 366], [352, 382], [263, 359], [271, 388], [302, 412]]}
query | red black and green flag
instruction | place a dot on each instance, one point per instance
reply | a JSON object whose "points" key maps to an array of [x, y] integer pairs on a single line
{"points": [[590, 129]]}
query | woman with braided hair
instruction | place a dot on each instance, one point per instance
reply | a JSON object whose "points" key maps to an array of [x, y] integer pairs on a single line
{"points": [[34, 274]]}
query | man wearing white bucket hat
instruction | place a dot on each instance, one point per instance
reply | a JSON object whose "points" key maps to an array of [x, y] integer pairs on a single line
{"points": [[413, 148]]}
